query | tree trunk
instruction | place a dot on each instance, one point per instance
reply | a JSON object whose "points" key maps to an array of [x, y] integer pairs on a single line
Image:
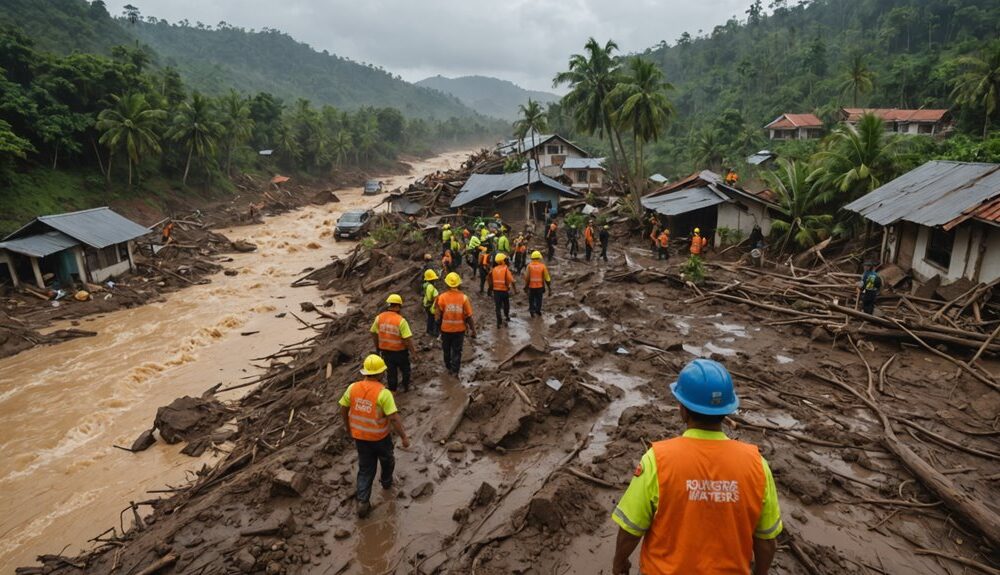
{"points": [[187, 167], [130, 172], [97, 152], [55, 157]]}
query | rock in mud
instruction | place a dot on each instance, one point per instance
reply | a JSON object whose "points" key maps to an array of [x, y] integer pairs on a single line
{"points": [[341, 534], [231, 272], [485, 495], [461, 515], [279, 522], [423, 490], [243, 246], [245, 561], [289, 483], [542, 511], [455, 447], [145, 440], [185, 418], [507, 421]]}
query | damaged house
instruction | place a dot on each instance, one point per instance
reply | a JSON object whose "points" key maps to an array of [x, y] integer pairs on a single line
{"points": [[512, 195], [87, 246], [703, 200], [941, 219]]}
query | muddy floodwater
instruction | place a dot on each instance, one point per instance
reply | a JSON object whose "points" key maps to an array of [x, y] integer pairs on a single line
{"points": [[64, 407]]}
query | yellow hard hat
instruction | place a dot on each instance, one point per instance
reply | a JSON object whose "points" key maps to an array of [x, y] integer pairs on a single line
{"points": [[501, 258], [430, 276], [697, 230], [394, 298], [496, 215], [447, 226], [536, 255], [373, 365], [453, 279]]}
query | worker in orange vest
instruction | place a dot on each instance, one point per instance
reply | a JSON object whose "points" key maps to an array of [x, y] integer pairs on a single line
{"points": [[698, 243], [588, 240], [501, 284], [520, 253], [483, 266], [394, 341], [662, 245], [447, 262], [700, 503], [369, 410], [168, 229], [536, 281], [654, 234], [732, 177], [453, 311]]}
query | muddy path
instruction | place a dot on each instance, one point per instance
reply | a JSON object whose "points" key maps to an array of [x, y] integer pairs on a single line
{"points": [[64, 406], [527, 480]]}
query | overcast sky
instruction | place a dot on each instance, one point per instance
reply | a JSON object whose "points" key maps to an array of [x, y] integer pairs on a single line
{"points": [[524, 41]]}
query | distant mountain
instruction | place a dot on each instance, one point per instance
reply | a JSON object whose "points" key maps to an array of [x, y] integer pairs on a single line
{"points": [[488, 96]]}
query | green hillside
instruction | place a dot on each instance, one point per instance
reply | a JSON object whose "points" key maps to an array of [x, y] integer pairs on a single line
{"points": [[488, 96], [65, 26]]}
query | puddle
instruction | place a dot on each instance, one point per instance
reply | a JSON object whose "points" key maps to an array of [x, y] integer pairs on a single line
{"points": [[608, 421], [733, 329]]}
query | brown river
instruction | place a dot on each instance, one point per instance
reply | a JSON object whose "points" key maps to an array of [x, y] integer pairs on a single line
{"points": [[63, 407]]}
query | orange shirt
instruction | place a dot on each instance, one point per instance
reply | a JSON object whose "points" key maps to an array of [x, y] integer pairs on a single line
{"points": [[588, 236], [367, 424], [502, 278], [389, 338], [453, 307], [538, 274]]}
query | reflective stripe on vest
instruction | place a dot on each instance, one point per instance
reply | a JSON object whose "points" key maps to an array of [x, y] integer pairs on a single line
{"points": [[366, 422], [697, 242], [664, 240], [388, 331], [451, 305], [501, 278], [711, 497], [536, 275]]}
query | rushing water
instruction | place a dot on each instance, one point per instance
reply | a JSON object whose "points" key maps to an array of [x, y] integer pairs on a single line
{"points": [[63, 407]]}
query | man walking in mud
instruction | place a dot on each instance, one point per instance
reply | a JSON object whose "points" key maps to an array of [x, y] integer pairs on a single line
{"points": [[368, 410], [700, 503], [604, 237], [535, 283], [394, 341], [869, 288], [501, 284], [454, 314]]}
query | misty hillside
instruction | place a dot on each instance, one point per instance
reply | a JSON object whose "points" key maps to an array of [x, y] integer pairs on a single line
{"points": [[488, 96]]}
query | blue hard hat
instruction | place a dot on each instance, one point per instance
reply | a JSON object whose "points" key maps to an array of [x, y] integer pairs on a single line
{"points": [[704, 386]]}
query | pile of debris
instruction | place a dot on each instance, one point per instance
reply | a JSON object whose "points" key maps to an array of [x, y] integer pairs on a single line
{"points": [[432, 195]]}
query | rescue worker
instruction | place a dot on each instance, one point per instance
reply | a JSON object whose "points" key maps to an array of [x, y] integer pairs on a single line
{"points": [[503, 243], [732, 177], [663, 245], [654, 235], [430, 292], [428, 262], [472, 252], [604, 237], [520, 253], [484, 267], [869, 288], [588, 240], [394, 341], [368, 410], [168, 229], [501, 284], [483, 231], [447, 263], [498, 221], [573, 239], [536, 281], [698, 243], [700, 503], [456, 244], [445, 237], [552, 238], [454, 314]]}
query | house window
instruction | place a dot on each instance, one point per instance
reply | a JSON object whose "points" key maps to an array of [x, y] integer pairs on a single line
{"points": [[939, 246], [925, 129], [123, 252], [109, 256], [552, 150], [581, 176]]}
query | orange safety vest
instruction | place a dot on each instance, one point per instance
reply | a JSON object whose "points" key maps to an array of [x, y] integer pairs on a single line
{"points": [[536, 275], [388, 331], [367, 423], [697, 243], [521, 248], [502, 278], [664, 239], [452, 308], [484, 260], [588, 236], [711, 497]]}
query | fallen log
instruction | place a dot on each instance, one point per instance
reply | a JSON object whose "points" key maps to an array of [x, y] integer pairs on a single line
{"points": [[456, 421], [161, 563], [388, 279], [968, 369]]}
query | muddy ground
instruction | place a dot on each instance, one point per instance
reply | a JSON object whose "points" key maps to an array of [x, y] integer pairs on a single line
{"points": [[527, 480]]}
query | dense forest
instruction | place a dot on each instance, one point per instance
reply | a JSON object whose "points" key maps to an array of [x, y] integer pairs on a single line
{"points": [[81, 129]]}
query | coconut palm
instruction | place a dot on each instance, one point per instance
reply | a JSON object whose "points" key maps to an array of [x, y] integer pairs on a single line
{"points": [[195, 128], [340, 146], [858, 78], [130, 126], [800, 202], [237, 125], [856, 160], [531, 120], [366, 138], [708, 148], [979, 84]]}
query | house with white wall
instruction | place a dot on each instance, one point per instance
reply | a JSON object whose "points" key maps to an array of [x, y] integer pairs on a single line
{"points": [[924, 121], [547, 149], [940, 219], [795, 127]]}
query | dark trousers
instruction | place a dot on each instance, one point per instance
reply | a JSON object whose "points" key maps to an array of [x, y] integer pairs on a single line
{"points": [[574, 248], [868, 302], [552, 251], [445, 246], [535, 300], [662, 254], [483, 272], [519, 262], [397, 362], [589, 251], [371, 454], [432, 324], [501, 301], [451, 345], [604, 252], [470, 259]]}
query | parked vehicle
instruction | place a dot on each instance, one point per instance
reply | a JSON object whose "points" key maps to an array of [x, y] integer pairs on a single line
{"points": [[372, 187], [352, 225]]}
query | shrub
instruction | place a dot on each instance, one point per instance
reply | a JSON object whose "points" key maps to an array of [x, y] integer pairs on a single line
{"points": [[693, 270], [729, 236]]}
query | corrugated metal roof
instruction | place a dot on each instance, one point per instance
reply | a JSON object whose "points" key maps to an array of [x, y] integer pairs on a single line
{"points": [[932, 195], [525, 144], [761, 157], [659, 178], [682, 202], [99, 227], [40, 245], [583, 164], [481, 185]]}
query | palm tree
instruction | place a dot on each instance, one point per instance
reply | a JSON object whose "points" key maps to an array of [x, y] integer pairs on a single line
{"points": [[644, 108], [196, 128], [708, 148], [130, 126], [856, 160], [367, 138], [237, 125], [591, 78], [532, 120], [799, 203], [341, 146], [287, 144], [979, 84], [858, 78]]}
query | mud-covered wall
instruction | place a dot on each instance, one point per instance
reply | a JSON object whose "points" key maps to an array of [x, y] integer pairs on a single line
{"points": [[732, 216]]}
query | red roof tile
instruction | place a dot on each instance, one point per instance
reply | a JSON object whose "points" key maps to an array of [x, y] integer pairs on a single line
{"points": [[792, 121], [895, 114]]}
